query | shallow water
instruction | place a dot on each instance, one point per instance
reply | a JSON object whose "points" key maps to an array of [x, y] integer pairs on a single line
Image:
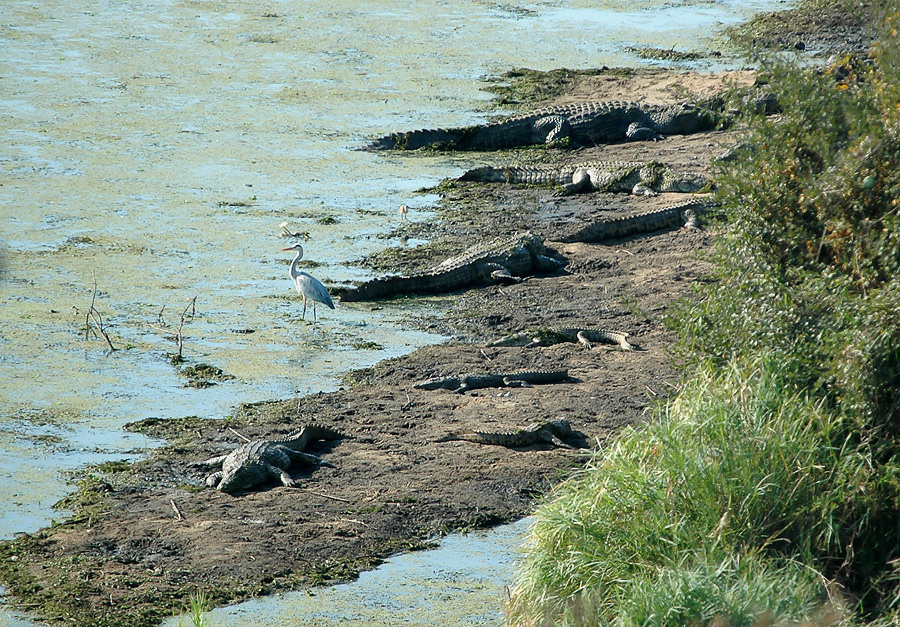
{"points": [[462, 582], [154, 149]]}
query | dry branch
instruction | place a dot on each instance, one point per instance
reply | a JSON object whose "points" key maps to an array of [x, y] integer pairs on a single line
{"points": [[94, 315]]}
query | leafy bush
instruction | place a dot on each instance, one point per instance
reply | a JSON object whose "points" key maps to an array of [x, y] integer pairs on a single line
{"points": [[807, 267]]}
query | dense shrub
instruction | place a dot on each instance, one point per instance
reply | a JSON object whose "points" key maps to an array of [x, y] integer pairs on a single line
{"points": [[808, 263]]}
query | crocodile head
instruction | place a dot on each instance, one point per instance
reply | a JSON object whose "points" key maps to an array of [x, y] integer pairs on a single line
{"points": [[533, 243], [240, 477], [683, 119], [684, 183]]}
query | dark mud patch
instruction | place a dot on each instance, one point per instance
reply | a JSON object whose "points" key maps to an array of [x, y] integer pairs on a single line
{"points": [[821, 27], [204, 375], [670, 54]]}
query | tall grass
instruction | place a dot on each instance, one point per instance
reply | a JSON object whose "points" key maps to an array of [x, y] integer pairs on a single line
{"points": [[733, 503], [196, 612]]}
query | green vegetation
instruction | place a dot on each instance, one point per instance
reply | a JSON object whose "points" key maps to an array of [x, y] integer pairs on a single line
{"points": [[199, 606], [522, 86], [768, 491]]}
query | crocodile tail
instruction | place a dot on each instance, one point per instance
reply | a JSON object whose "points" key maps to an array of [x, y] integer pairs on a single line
{"points": [[485, 174], [389, 286], [413, 140], [318, 432]]}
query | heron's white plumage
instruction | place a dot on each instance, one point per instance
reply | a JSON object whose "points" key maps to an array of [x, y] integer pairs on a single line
{"points": [[307, 285]]}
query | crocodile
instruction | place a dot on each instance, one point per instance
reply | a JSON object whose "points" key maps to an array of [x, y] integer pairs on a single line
{"points": [[575, 124], [647, 178], [465, 382], [503, 260], [547, 336], [679, 214], [550, 432], [257, 461]]}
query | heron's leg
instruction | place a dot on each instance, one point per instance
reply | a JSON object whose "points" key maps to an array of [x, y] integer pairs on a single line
{"points": [[304, 309], [314, 311]]}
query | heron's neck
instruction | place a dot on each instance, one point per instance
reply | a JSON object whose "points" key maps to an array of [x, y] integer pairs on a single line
{"points": [[293, 270]]}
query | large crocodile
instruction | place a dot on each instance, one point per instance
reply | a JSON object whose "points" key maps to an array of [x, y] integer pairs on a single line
{"points": [[258, 461], [463, 383], [505, 259], [647, 178], [584, 123], [550, 432], [547, 336], [680, 214]]}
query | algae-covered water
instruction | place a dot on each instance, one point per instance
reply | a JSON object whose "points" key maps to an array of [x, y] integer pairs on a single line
{"points": [[150, 153]]}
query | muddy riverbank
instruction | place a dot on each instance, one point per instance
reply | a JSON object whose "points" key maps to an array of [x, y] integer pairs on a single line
{"points": [[146, 535]]}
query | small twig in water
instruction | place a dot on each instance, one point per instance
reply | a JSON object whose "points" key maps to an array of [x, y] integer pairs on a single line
{"points": [[178, 334], [94, 315]]}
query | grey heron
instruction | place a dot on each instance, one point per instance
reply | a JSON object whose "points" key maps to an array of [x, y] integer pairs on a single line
{"points": [[308, 286]]}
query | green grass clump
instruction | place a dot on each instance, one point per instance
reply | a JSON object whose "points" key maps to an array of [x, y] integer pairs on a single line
{"points": [[197, 612], [739, 501]]}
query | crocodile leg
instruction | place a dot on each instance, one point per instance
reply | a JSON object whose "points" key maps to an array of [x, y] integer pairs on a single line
{"points": [[499, 273], [584, 341], [691, 220], [639, 132], [545, 263], [209, 463], [641, 189], [550, 129], [307, 459], [278, 473], [516, 383], [546, 436], [214, 479], [581, 182]]}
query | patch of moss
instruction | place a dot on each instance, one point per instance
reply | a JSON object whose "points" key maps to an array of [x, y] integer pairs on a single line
{"points": [[367, 346], [204, 375], [87, 501], [120, 465], [346, 569], [521, 86], [828, 23], [669, 54]]}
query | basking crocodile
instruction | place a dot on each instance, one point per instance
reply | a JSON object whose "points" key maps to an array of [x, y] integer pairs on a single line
{"points": [[504, 259], [583, 123], [256, 462], [678, 214], [547, 336], [463, 383], [551, 432], [640, 178]]}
